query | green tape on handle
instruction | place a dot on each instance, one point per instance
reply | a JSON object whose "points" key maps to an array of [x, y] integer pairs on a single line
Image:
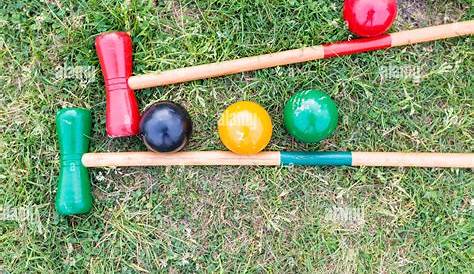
{"points": [[74, 195], [316, 158]]}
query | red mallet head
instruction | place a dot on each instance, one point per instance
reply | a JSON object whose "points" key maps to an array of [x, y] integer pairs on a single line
{"points": [[368, 18], [115, 55]]}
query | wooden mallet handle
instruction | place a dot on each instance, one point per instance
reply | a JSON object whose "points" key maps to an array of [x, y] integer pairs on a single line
{"points": [[275, 158], [301, 55]]}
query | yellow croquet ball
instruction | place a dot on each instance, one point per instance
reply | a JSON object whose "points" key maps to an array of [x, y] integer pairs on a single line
{"points": [[245, 128]]}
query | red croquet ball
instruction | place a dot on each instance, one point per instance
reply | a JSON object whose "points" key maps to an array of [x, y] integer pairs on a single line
{"points": [[368, 18]]}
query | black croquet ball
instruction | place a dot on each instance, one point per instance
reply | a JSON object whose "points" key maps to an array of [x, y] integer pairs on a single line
{"points": [[165, 127]]}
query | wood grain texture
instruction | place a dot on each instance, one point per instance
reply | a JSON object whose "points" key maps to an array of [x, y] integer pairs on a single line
{"points": [[205, 71], [182, 75], [432, 33], [400, 159], [187, 158]]}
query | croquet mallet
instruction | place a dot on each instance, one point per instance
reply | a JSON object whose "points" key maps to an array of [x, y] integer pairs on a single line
{"points": [[115, 54], [74, 190]]}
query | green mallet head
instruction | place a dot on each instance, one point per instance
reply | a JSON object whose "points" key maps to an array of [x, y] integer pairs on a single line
{"points": [[310, 116], [74, 195]]}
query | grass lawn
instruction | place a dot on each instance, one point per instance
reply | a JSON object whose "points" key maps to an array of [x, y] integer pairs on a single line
{"points": [[238, 219]]}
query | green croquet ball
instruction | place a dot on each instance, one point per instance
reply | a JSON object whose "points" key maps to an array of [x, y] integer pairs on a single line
{"points": [[310, 116]]}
